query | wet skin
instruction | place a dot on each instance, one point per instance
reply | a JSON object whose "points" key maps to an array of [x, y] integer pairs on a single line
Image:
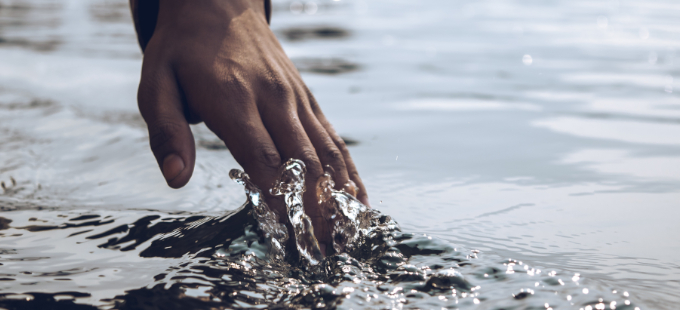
{"points": [[218, 62]]}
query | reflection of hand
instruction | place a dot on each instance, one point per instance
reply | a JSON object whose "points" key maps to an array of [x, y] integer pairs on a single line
{"points": [[218, 62]]}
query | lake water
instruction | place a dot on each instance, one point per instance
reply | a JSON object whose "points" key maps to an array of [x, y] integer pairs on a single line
{"points": [[541, 132]]}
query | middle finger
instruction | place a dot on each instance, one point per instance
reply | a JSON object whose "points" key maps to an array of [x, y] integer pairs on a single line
{"points": [[291, 140]]}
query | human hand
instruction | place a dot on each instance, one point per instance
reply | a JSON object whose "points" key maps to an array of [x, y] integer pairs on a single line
{"points": [[218, 62]]}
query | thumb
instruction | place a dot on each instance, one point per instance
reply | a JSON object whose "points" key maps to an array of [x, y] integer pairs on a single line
{"points": [[170, 137]]}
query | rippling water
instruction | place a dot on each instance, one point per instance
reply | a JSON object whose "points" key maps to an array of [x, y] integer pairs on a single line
{"points": [[504, 137]]}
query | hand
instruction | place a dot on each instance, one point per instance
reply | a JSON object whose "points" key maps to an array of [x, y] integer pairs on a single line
{"points": [[218, 62]]}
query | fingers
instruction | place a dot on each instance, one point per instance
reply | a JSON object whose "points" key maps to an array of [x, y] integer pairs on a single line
{"points": [[249, 142], [326, 149], [352, 172], [292, 140], [224, 99], [170, 137]]}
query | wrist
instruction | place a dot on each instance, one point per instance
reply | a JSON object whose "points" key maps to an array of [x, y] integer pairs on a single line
{"points": [[150, 15], [187, 13]]}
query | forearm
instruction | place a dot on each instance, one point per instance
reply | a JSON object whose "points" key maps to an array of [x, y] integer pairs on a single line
{"points": [[145, 17]]}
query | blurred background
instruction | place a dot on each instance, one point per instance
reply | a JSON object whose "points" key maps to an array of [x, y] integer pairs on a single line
{"points": [[545, 131]]}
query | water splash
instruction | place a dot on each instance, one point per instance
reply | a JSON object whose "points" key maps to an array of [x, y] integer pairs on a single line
{"points": [[266, 218], [291, 185], [376, 265], [222, 262], [350, 219]]}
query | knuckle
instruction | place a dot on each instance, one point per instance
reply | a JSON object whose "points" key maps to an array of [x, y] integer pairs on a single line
{"points": [[339, 142], [162, 132], [233, 79], [235, 82], [311, 160], [239, 89], [279, 88], [334, 157], [307, 155], [354, 176], [268, 158]]}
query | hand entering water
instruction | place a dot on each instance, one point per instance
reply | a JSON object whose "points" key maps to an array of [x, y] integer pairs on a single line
{"points": [[217, 62]]}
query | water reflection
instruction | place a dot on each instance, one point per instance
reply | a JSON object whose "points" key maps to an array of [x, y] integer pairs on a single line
{"points": [[227, 267], [566, 164]]}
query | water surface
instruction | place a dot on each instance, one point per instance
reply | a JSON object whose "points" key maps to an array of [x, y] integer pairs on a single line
{"points": [[541, 132]]}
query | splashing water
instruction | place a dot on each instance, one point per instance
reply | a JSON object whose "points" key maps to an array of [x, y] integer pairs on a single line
{"points": [[376, 265], [350, 218], [237, 260], [291, 185], [267, 220]]}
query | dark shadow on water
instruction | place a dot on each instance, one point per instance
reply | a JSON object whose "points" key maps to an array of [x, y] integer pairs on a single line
{"points": [[211, 144], [325, 65], [349, 141], [40, 46], [224, 264], [311, 33]]}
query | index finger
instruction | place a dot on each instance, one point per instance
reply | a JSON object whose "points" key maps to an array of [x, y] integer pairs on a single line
{"points": [[362, 195]]}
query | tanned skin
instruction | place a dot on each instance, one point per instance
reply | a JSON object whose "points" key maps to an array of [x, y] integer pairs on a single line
{"points": [[217, 62]]}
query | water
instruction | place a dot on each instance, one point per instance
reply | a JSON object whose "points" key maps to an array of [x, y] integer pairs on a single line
{"points": [[291, 185], [236, 261], [567, 163]]}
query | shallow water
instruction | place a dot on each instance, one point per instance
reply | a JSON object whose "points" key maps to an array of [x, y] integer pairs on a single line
{"points": [[566, 160]]}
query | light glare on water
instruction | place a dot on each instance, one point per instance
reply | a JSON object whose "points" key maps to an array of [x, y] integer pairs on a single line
{"points": [[565, 160]]}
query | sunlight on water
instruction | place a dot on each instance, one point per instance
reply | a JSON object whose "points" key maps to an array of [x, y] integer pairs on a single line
{"points": [[236, 261], [491, 162]]}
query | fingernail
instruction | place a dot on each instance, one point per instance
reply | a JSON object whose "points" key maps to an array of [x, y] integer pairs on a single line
{"points": [[351, 188], [172, 166]]}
